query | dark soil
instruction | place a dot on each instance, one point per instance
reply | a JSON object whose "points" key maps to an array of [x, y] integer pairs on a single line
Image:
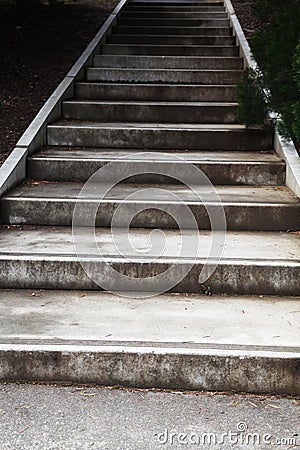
{"points": [[246, 17], [38, 47]]}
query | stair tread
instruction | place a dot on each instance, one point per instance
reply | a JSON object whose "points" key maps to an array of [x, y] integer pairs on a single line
{"points": [[81, 154], [156, 85], [165, 70], [69, 191], [162, 57], [181, 321], [170, 45], [242, 247], [150, 103], [144, 125], [180, 36]]}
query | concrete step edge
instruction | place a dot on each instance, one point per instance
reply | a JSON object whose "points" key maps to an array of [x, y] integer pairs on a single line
{"points": [[154, 91], [158, 126], [252, 263], [204, 71], [85, 154], [221, 47], [152, 367], [149, 103], [79, 165]]}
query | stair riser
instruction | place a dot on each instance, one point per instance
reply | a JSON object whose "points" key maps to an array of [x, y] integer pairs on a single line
{"points": [[165, 62], [91, 91], [170, 40], [197, 22], [115, 49], [218, 173], [144, 368], [145, 113], [232, 278], [207, 77], [174, 15], [238, 217], [158, 30], [179, 139]]}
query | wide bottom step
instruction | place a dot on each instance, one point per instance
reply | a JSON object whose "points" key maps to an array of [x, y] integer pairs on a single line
{"points": [[198, 342]]}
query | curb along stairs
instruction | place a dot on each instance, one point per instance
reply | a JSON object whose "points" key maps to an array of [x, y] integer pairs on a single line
{"points": [[157, 99]]}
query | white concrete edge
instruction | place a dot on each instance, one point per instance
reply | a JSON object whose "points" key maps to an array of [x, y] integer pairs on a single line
{"points": [[13, 170], [35, 135], [288, 152], [285, 149], [148, 350]]}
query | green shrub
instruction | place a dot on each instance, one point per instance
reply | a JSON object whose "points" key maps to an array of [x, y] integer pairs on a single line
{"points": [[289, 126], [253, 106], [276, 47]]}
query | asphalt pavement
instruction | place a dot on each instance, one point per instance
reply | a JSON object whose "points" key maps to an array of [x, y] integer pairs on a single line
{"points": [[48, 417]]}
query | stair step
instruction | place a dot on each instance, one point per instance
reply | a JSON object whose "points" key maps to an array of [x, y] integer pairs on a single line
{"points": [[171, 30], [172, 4], [184, 50], [155, 92], [170, 40], [198, 342], [259, 263], [174, 15], [197, 22], [175, 9], [168, 62], [246, 208], [176, 76], [159, 136], [172, 112], [249, 168]]}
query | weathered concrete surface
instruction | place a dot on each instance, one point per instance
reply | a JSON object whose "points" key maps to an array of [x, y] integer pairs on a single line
{"points": [[170, 40], [127, 49], [81, 417], [162, 92], [176, 76], [170, 30], [50, 336], [165, 62], [222, 168], [194, 14], [175, 112], [159, 136], [252, 263], [184, 8], [150, 366], [197, 22], [246, 208], [196, 320]]}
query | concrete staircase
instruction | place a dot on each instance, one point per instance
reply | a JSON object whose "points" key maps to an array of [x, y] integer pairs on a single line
{"points": [[158, 99]]}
